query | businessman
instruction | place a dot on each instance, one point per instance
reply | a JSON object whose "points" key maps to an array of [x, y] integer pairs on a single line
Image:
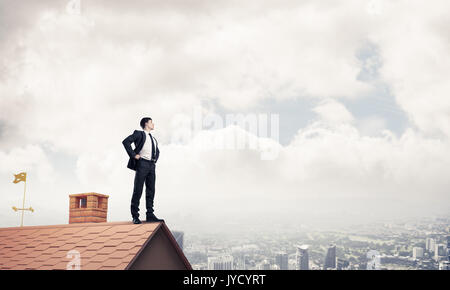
{"points": [[143, 160]]}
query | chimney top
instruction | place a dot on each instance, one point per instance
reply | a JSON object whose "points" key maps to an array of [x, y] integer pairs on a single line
{"points": [[90, 207]]}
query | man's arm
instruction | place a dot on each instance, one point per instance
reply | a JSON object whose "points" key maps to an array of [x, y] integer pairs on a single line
{"points": [[157, 151], [127, 144]]}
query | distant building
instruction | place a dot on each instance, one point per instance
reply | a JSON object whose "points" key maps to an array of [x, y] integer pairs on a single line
{"points": [[292, 263], [439, 252], [281, 259], [302, 258], [342, 264], [220, 263], [330, 258], [265, 265], [200, 266], [430, 244], [417, 252], [179, 237], [243, 262], [444, 265], [274, 267], [448, 248]]}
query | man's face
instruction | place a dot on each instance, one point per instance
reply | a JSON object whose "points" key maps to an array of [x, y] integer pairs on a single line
{"points": [[150, 125]]}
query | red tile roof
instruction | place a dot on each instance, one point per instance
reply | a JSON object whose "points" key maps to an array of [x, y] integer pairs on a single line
{"points": [[112, 245]]}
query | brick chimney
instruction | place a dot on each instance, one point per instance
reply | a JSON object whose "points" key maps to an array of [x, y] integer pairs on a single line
{"points": [[88, 207]]}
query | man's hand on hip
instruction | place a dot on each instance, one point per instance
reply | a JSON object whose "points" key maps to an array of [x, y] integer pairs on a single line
{"points": [[137, 156]]}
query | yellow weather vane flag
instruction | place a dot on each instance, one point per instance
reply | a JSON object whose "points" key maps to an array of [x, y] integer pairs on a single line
{"points": [[18, 178]]}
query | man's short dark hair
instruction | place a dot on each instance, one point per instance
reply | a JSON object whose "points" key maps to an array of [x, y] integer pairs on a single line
{"points": [[144, 120]]}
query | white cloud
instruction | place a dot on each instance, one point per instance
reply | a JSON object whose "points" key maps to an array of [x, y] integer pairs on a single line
{"points": [[333, 111], [413, 38], [79, 84], [27, 158], [371, 126]]}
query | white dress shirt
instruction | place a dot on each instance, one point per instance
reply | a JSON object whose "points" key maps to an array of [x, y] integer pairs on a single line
{"points": [[146, 151]]}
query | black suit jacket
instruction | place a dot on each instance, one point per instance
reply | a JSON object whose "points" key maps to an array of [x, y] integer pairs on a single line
{"points": [[138, 137]]}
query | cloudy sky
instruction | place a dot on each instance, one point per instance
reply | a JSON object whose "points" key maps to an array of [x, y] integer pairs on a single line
{"points": [[360, 88]]}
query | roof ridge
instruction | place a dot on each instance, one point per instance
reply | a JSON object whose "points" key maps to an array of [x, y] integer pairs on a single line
{"points": [[74, 225]]}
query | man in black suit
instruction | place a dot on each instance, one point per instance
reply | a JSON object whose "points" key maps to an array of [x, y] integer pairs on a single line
{"points": [[143, 160]]}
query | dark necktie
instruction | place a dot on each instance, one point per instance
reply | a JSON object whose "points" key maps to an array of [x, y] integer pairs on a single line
{"points": [[153, 147]]}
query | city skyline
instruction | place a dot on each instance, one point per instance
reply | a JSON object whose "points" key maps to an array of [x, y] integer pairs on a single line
{"points": [[401, 245]]}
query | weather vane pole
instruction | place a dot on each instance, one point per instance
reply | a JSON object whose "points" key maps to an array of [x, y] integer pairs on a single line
{"points": [[18, 178]]}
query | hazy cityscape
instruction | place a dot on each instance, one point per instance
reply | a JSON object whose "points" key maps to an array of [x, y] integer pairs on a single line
{"points": [[413, 244]]}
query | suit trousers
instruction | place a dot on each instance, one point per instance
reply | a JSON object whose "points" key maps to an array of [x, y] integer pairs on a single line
{"points": [[145, 173]]}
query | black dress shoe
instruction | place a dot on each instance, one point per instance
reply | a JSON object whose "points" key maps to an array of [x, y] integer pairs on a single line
{"points": [[136, 221], [153, 218]]}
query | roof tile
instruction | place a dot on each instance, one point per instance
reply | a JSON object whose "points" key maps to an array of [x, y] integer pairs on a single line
{"points": [[43, 257], [95, 247], [91, 230], [99, 258], [87, 254], [125, 246], [92, 266], [124, 255], [106, 251], [112, 262], [112, 243], [61, 265]]}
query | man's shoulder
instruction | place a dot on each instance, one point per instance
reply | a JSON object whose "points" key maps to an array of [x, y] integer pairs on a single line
{"points": [[137, 134]]}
